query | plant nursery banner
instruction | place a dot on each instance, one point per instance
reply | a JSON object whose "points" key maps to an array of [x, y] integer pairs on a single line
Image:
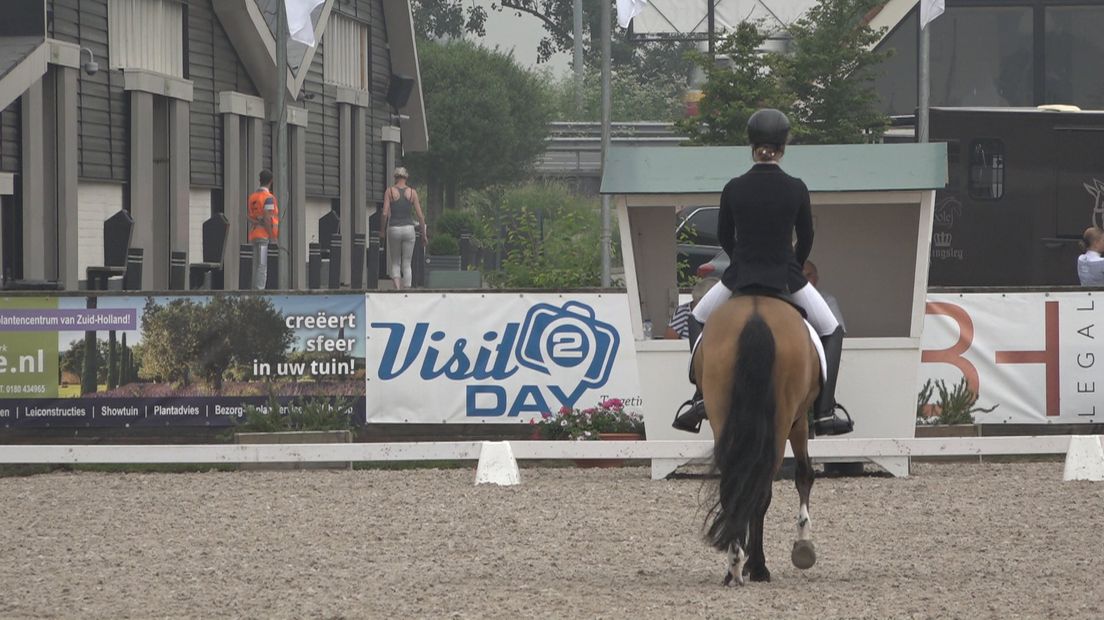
{"points": [[175, 360], [497, 358], [1036, 357]]}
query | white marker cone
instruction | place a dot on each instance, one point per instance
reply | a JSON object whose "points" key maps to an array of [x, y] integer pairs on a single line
{"points": [[497, 464], [1085, 459]]}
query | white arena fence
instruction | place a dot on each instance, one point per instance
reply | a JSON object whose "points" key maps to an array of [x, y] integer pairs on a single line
{"points": [[541, 450]]}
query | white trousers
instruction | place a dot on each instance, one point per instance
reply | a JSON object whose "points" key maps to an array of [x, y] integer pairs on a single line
{"points": [[820, 315], [400, 251]]}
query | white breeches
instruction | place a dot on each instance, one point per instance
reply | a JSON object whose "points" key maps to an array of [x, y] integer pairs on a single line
{"points": [[820, 315]]}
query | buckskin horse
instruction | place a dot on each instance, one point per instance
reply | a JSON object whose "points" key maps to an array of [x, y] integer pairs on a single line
{"points": [[759, 373]]}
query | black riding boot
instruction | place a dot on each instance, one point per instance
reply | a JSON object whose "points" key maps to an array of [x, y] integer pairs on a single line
{"points": [[825, 421], [691, 413]]}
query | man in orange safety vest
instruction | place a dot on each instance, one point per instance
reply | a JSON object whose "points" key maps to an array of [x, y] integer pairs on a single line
{"points": [[264, 227]]}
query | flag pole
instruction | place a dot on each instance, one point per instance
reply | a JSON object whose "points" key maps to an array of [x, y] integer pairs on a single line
{"points": [[280, 146], [606, 105], [924, 84], [577, 48]]}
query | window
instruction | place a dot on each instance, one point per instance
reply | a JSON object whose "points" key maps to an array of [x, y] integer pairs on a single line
{"points": [[147, 34], [346, 55], [986, 169], [700, 227], [1073, 52], [896, 84], [983, 56]]}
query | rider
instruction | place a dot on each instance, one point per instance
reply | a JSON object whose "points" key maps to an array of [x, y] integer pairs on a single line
{"points": [[760, 211]]}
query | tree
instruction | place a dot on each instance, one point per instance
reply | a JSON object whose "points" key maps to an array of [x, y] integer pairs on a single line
{"points": [[237, 331], [632, 98], [487, 116], [169, 339], [734, 89], [183, 340], [438, 19], [831, 73], [72, 359], [824, 86]]}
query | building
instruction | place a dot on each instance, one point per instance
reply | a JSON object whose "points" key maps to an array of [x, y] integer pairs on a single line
{"points": [[996, 53], [177, 122]]}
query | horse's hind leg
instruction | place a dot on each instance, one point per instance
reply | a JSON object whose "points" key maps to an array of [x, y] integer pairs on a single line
{"points": [[757, 562], [737, 558], [804, 553]]}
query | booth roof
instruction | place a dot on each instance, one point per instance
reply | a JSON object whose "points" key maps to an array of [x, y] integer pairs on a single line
{"points": [[830, 168]]}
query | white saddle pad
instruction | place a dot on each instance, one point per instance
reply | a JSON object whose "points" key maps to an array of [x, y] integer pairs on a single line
{"points": [[813, 335], [820, 351]]}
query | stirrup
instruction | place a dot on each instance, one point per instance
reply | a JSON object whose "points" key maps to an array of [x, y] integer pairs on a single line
{"points": [[834, 425], [690, 420]]}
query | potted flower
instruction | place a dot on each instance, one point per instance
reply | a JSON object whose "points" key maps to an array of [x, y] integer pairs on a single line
{"points": [[608, 421]]}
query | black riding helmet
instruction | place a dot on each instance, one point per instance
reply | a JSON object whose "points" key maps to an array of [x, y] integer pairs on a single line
{"points": [[768, 126]]}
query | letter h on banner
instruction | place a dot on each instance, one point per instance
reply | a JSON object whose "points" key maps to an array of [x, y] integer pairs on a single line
{"points": [[1048, 356]]}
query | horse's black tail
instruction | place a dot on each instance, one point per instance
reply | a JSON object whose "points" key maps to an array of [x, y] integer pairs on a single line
{"points": [[744, 453]]}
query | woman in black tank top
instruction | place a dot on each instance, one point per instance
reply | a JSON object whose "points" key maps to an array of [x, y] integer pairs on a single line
{"points": [[400, 209]]}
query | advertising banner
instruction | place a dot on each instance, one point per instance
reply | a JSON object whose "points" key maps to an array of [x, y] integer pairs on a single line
{"points": [[175, 360], [474, 358], [1037, 357]]}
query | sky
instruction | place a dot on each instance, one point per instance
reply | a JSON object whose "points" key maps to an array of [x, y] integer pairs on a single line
{"points": [[520, 34]]}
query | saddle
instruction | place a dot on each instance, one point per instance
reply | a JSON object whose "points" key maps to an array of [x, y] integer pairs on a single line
{"points": [[770, 292], [788, 298]]}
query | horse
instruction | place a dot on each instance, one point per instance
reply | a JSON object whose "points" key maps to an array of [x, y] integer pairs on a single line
{"points": [[759, 373]]}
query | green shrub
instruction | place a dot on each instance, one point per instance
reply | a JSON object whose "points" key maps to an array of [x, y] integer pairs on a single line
{"points": [[443, 245], [547, 236], [955, 404], [454, 222]]}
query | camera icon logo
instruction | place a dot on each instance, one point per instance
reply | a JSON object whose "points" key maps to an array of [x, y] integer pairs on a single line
{"points": [[569, 338]]}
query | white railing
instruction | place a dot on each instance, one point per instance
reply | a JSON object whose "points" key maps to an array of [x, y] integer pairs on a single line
{"points": [[469, 450]]}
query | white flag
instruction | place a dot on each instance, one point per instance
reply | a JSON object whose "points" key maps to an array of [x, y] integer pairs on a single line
{"points": [[929, 10], [299, 20], [628, 9]]}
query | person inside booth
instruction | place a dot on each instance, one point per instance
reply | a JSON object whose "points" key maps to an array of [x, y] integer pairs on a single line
{"points": [[1090, 265]]}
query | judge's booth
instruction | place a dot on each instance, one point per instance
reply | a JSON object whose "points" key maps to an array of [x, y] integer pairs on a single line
{"points": [[872, 214]]}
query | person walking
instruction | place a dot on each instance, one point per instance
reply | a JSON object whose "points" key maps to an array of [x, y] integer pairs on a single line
{"points": [[400, 208], [264, 226]]}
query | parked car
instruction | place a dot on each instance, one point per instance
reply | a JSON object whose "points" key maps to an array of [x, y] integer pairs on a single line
{"points": [[714, 267], [696, 235]]}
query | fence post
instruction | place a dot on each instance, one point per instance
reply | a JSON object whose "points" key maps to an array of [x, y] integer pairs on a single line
{"points": [[314, 265], [335, 262], [358, 258], [272, 278], [373, 261], [178, 265], [245, 267]]}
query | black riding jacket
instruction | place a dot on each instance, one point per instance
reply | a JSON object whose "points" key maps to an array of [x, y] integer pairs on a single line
{"points": [[760, 210]]}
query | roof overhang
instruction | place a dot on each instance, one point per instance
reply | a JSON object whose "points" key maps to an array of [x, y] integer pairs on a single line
{"points": [[256, 47], [252, 39], [690, 170], [891, 14], [23, 61]]}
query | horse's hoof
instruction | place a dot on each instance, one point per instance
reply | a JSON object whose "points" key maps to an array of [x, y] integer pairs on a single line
{"points": [[804, 554], [762, 575], [729, 577]]}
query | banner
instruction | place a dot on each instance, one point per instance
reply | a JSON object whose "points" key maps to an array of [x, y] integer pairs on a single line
{"points": [[507, 358], [174, 360], [1037, 357]]}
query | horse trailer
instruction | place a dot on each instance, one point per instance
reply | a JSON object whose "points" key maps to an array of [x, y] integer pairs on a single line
{"points": [[1023, 184]]}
